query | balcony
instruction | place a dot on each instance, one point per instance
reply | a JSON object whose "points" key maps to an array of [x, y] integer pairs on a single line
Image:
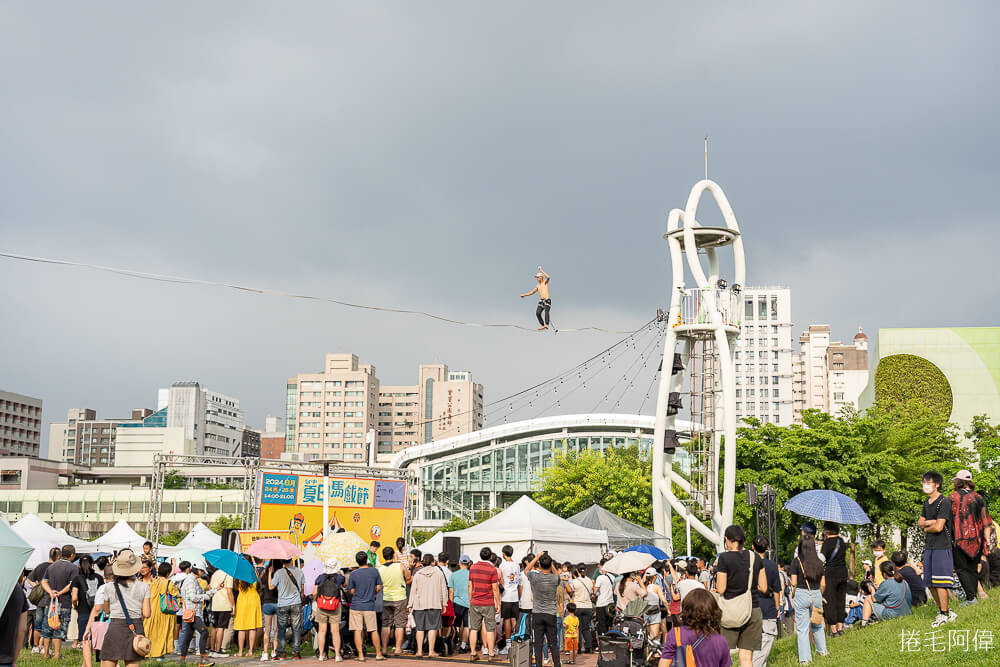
{"points": [[698, 305]]}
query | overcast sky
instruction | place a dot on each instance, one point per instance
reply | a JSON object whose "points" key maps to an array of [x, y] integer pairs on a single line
{"points": [[430, 155]]}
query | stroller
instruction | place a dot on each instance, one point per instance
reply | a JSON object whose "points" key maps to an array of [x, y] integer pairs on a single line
{"points": [[625, 644]]}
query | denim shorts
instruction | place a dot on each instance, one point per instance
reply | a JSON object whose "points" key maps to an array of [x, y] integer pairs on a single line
{"points": [[49, 633], [269, 609]]}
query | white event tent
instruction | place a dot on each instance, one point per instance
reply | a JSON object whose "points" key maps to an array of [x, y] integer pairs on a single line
{"points": [[530, 528], [200, 538], [119, 536], [42, 537]]}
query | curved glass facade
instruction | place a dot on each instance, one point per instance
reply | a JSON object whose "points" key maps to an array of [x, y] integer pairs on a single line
{"points": [[498, 471]]}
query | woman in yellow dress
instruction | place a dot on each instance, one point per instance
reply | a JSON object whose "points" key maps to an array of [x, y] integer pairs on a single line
{"points": [[248, 616], [160, 626]]}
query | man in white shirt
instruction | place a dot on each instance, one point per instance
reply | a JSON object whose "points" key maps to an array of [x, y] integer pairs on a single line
{"points": [[604, 589], [510, 578], [689, 580]]}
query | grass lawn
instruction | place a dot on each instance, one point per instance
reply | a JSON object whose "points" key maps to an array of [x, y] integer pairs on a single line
{"points": [[74, 658], [882, 644]]}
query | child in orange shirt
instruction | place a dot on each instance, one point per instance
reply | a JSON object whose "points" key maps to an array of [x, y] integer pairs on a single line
{"points": [[571, 626]]}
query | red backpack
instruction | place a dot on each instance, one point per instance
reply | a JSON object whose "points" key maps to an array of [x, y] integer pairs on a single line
{"points": [[328, 593], [968, 524]]}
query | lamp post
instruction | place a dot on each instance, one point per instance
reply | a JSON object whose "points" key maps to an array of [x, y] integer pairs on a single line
{"points": [[326, 498]]}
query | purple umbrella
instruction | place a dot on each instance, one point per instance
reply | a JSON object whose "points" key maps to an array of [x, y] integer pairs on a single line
{"points": [[310, 571]]}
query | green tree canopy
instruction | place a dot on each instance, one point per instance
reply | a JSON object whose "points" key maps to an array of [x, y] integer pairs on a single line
{"points": [[985, 439], [225, 521]]}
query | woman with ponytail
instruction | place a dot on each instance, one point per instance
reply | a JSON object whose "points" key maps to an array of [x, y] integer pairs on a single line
{"points": [[892, 599]]}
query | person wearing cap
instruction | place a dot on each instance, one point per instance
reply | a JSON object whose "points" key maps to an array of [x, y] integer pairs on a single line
{"points": [[973, 527], [544, 302], [135, 596], [458, 590]]}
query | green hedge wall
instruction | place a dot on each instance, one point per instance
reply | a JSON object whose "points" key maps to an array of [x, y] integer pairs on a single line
{"points": [[903, 377]]}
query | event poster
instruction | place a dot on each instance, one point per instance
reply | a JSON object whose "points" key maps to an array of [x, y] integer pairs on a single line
{"points": [[373, 509]]}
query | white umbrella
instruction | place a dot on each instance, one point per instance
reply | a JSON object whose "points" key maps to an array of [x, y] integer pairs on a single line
{"points": [[629, 561]]}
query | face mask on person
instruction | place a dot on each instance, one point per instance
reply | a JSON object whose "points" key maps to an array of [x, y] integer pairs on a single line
{"points": [[878, 554], [928, 488]]}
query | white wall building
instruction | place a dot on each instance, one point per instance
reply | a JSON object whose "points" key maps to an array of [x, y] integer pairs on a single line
{"points": [[763, 356], [135, 447], [829, 375]]}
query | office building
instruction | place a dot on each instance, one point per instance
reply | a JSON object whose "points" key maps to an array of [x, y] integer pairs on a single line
{"points": [[829, 375], [763, 356], [86, 440], [272, 439], [212, 420], [442, 404], [20, 424]]}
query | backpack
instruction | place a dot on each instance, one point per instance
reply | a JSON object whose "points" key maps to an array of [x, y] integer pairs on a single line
{"points": [[684, 656], [328, 593], [521, 631], [968, 526]]}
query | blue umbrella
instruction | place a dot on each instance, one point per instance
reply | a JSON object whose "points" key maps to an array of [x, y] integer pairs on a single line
{"points": [[658, 554], [232, 563], [828, 505]]}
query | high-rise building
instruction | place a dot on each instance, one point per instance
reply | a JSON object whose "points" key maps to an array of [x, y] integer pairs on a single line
{"points": [[86, 440], [829, 374], [340, 413], [212, 420], [763, 356], [20, 424], [272, 440], [328, 415], [442, 404]]}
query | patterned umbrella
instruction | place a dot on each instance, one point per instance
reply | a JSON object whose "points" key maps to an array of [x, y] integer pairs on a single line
{"points": [[342, 546], [826, 505]]}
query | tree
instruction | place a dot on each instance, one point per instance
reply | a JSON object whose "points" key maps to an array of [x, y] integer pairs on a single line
{"points": [[985, 439], [455, 523], [172, 539], [225, 521], [172, 480], [619, 480]]}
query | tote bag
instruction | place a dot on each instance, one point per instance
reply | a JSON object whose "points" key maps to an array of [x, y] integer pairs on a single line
{"points": [[736, 611]]}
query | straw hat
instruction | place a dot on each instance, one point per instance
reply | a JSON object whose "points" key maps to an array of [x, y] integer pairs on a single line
{"points": [[127, 564]]}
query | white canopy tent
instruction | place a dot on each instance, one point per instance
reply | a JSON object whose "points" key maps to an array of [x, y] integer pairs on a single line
{"points": [[42, 537], [434, 545], [120, 536], [200, 538], [530, 528]]}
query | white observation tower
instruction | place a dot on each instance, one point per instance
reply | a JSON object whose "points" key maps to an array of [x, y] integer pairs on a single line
{"points": [[702, 325]]}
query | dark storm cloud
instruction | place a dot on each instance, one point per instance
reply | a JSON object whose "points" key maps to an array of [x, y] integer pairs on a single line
{"points": [[433, 154]]}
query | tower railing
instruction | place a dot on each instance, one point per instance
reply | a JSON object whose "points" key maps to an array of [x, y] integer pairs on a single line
{"points": [[697, 305]]}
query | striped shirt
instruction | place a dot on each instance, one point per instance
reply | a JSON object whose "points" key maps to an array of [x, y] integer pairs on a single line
{"points": [[482, 576]]}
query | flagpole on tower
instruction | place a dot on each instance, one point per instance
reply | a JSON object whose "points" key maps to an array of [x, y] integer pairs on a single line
{"points": [[706, 156]]}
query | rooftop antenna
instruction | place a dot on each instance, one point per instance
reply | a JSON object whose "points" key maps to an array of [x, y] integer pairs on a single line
{"points": [[706, 156]]}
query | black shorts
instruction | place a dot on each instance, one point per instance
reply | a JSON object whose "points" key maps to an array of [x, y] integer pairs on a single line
{"points": [[461, 616], [220, 619], [509, 610]]}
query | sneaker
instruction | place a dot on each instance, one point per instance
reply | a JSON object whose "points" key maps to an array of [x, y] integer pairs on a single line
{"points": [[277, 657], [35, 650], [205, 662], [952, 616], [297, 656], [485, 652], [263, 656], [217, 654], [969, 602], [338, 659], [939, 620]]}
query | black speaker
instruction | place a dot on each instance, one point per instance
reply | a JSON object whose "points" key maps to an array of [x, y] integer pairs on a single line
{"points": [[226, 533], [453, 547]]}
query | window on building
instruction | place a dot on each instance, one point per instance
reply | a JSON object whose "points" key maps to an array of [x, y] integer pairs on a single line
{"points": [[774, 392], [774, 307], [739, 393], [748, 313], [838, 395], [762, 308]]}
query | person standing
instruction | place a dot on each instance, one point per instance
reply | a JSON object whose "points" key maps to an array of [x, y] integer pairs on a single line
{"points": [[364, 584], [458, 589], [328, 586], [582, 590], [34, 578], [287, 581], [973, 527], [269, 614], [738, 571], [701, 627], [83, 591], [373, 553], [571, 628], [222, 610], [57, 584], [544, 588], [160, 628], [510, 575], [938, 560], [689, 580], [835, 570], [484, 598], [769, 602], [125, 601], [193, 597], [395, 578], [13, 624], [808, 584], [246, 617], [428, 600], [604, 592], [544, 301]]}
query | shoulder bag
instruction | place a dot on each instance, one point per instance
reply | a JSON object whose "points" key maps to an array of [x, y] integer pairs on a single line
{"points": [[816, 615], [140, 644], [736, 611]]}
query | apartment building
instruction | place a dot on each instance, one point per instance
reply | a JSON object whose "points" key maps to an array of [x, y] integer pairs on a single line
{"points": [[20, 424], [214, 421], [346, 414], [829, 375], [763, 356]]}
